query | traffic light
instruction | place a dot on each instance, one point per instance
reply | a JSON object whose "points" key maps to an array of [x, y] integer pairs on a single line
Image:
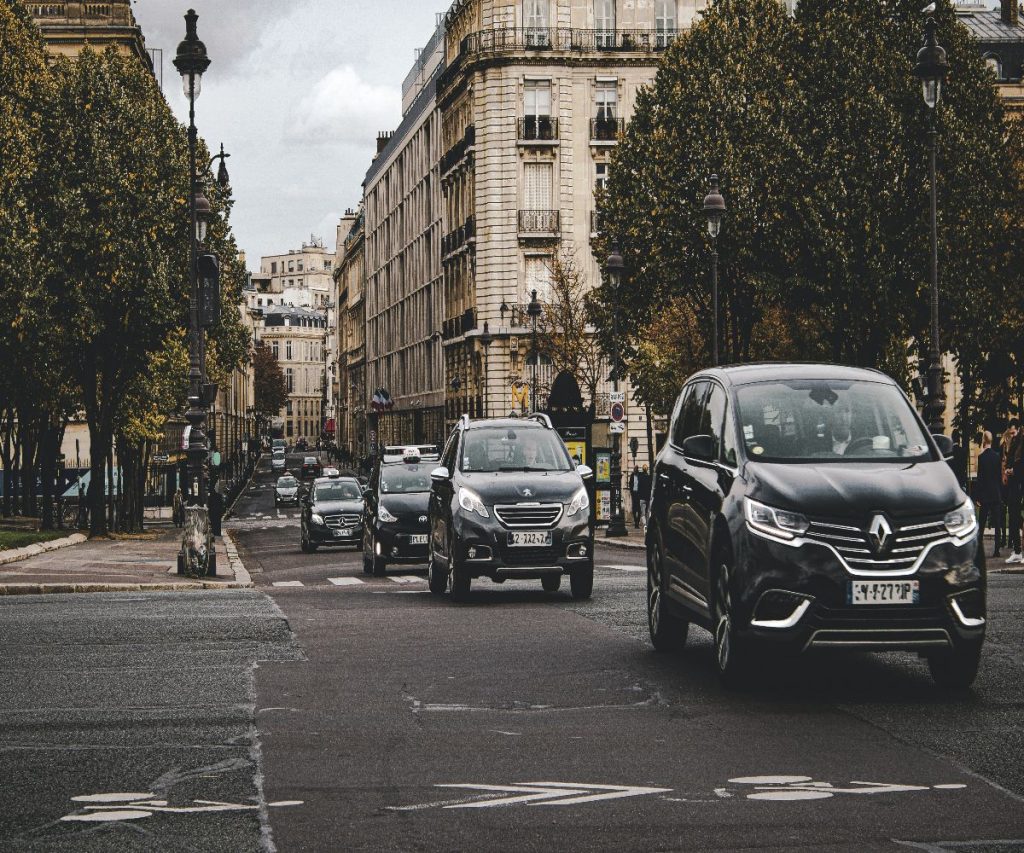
{"points": [[209, 291]]}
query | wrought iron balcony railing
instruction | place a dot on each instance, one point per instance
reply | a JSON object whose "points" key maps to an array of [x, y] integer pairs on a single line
{"points": [[538, 222], [606, 129], [454, 154], [538, 129]]}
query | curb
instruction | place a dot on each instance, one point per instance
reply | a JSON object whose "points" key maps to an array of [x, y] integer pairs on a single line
{"points": [[78, 588], [41, 548], [242, 578]]}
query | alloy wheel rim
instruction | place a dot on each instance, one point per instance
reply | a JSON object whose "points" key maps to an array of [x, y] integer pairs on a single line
{"points": [[654, 593], [723, 630]]}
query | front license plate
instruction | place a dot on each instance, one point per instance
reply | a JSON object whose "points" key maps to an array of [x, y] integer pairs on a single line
{"points": [[527, 538], [418, 539], [343, 533], [883, 592]]}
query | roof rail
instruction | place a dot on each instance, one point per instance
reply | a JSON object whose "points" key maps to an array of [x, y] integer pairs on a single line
{"points": [[540, 416], [464, 421]]}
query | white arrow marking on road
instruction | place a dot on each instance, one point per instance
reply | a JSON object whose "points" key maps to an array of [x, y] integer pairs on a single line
{"points": [[551, 793], [346, 581]]}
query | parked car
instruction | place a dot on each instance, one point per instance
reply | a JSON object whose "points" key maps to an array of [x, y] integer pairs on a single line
{"points": [[286, 491], [332, 513], [396, 527], [508, 502], [311, 467], [805, 507]]}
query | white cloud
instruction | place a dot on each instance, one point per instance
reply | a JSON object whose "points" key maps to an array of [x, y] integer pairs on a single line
{"points": [[342, 108]]}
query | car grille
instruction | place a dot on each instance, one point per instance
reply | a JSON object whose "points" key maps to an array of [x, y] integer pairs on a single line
{"points": [[530, 557], [528, 515], [854, 544], [348, 520]]}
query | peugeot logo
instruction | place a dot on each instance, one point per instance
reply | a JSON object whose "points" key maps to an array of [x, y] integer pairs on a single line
{"points": [[423, 519], [880, 531], [527, 493]]}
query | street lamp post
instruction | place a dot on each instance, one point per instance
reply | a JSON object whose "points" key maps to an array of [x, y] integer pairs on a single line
{"points": [[485, 341], [931, 70], [533, 311], [714, 210], [617, 522], [191, 62]]}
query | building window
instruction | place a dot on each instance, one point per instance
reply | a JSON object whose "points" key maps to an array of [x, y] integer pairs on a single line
{"points": [[274, 350], [535, 16], [664, 22], [299, 267], [290, 428], [600, 176], [606, 100], [604, 22], [538, 277], [291, 266], [537, 110], [537, 194], [994, 65], [289, 379], [288, 350], [288, 408], [273, 267]]}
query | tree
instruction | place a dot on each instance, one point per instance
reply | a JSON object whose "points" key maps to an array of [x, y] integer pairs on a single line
{"points": [[271, 392]]}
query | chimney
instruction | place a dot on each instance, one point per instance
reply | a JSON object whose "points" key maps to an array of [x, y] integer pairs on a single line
{"points": [[384, 137], [1010, 13]]}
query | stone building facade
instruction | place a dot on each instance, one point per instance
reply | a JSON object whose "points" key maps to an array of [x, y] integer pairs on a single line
{"points": [[350, 276], [1000, 35], [402, 256], [68, 27]]}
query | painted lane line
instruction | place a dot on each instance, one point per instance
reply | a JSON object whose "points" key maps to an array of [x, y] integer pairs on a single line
{"points": [[624, 568], [346, 581], [288, 583]]}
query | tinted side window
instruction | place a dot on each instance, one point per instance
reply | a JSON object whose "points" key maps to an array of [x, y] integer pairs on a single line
{"points": [[713, 416], [688, 420], [448, 457]]}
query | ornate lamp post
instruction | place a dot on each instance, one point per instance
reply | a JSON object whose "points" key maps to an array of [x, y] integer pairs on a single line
{"points": [[533, 311], [714, 210], [486, 339], [617, 523], [931, 70]]}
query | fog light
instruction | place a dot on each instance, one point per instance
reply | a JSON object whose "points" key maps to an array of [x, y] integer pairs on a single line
{"points": [[779, 608], [969, 608]]}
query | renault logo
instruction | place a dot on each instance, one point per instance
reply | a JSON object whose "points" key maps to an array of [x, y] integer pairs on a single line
{"points": [[880, 531]]}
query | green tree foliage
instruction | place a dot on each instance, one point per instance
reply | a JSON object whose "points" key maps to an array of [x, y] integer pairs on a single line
{"points": [[818, 130], [271, 392]]}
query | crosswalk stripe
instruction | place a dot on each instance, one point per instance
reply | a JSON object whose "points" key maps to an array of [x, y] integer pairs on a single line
{"points": [[346, 581], [288, 583], [406, 579]]}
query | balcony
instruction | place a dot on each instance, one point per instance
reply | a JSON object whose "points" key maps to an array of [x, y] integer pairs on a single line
{"points": [[504, 39], [456, 239], [454, 155], [606, 130], [541, 130], [538, 224]]}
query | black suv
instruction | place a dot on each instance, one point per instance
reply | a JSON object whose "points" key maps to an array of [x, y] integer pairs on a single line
{"points": [[508, 502], [807, 507], [397, 500], [332, 513]]}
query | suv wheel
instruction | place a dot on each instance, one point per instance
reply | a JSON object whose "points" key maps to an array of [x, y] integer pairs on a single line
{"points": [[367, 558], [551, 583], [955, 669], [380, 565], [437, 577], [581, 581], [458, 578], [668, 631], [731, 654]]}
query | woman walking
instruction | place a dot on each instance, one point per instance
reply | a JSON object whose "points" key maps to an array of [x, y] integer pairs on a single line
{"points": [[988, 489]]}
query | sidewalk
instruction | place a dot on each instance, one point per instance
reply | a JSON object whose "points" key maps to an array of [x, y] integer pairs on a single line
{"points": [[633, 540], [147, 562]]}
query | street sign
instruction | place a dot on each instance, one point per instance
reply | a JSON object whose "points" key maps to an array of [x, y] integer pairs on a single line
{"points": [[160, 458], [617, 397], [617, 412], [616, 427]]}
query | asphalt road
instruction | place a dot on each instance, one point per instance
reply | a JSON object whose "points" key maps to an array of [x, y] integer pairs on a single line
{"points": [[363, 713]]}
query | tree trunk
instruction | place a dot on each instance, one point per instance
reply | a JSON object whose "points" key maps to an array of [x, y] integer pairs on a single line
{"points": [[48, 449], [99, 442], [7, 454]]}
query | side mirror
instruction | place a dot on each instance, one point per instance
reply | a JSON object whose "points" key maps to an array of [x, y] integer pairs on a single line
{"points": [[699, 447], [945, 445], [367, 492], [585, 471], [440, 474]]}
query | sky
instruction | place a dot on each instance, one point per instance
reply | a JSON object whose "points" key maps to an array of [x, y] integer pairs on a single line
{"points": [[297, 91]]}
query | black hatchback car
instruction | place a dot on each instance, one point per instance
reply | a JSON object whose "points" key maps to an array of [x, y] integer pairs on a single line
{"points": [[332, 513], [396, 528], [508, 502], [804, 507]]}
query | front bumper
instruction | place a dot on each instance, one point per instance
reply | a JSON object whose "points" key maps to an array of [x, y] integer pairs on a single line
{"points": [[395, 545], [799, 599], [482, 547], [322, 535]]}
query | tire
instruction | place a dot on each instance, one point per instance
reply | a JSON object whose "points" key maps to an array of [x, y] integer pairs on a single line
{"points": [[380, 565], [551, 583], [732, 654], [458, 578], [955, 669], [581, 582], [668, 632], [437, 576]]}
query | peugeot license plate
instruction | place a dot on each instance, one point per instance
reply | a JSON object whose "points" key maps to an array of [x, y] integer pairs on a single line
{"points": [[530, 537], [418, 539], [882, 592], [343, 533]]}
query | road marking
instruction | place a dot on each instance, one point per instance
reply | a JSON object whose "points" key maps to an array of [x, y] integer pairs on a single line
{"points": [[623, 568], [346, 581], [550, 793], [288, 583], [406, 579], [781, 788], [146, 805]]}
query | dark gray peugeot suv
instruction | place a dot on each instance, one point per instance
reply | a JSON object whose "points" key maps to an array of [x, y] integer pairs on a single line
{"points": [[803, 507]]}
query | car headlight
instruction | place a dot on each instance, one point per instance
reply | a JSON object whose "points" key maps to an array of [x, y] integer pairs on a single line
{"points": [[316, 518], [580, 501], [961, 521], [384, 515], [779, 523], [470, 501]]}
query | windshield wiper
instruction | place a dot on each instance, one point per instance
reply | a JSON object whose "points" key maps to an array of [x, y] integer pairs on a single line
{"points": [[524, 468]]}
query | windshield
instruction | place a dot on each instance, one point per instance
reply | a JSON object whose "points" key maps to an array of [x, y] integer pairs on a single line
{"points": [[287, 483], [817, 420], [404, 480], [341, 490], [524, 449]]}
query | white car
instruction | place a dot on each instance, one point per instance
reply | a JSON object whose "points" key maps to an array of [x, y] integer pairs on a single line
{"points": [[331, 472]]}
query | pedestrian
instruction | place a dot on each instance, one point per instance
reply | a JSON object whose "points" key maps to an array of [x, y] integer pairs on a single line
{"points": [[635, 492], [178, 508], [988, 488], [1015, 489], [645, 491], [216, 507]]}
